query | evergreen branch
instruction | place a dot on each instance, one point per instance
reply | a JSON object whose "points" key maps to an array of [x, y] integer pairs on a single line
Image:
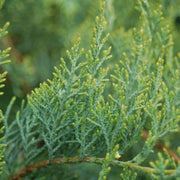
{"points": [[162, 147], [74, 160]]}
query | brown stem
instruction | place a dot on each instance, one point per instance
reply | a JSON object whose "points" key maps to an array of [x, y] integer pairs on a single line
{"points": [[74, 160], [161, 147]]}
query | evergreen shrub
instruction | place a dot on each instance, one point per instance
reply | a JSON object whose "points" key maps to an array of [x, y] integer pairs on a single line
{"points": [[111, 107]]}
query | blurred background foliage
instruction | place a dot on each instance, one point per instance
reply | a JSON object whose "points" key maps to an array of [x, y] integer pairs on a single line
{"points": [[41, 31]]}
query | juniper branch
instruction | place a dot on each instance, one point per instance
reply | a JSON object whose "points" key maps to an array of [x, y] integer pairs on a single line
{"points": [[161, 147], [76, 160]]}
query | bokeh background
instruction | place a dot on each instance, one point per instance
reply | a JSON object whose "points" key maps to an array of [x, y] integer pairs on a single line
{"points": [[41, 31]]}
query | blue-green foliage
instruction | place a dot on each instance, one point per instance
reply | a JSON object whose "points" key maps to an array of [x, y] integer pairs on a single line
{"points": [[70, 116]]}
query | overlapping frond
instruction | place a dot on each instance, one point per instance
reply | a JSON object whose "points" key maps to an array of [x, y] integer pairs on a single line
{"points": [[69, 115]]}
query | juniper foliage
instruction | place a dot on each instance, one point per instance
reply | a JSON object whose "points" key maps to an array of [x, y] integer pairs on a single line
{"points": [[69, 119]]}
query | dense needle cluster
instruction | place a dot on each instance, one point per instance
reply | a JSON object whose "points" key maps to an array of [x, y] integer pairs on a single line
{"points": [[71, 118]]}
